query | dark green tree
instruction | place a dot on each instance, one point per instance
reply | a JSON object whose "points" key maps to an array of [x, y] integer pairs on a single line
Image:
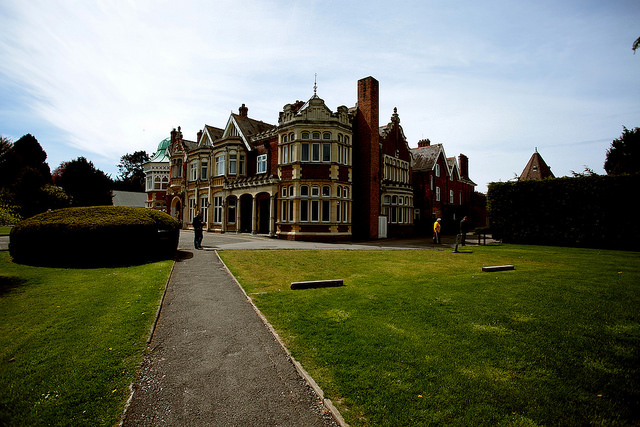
{"points": [[8, 166], [86, 185], [623, 157], [131, 177], [29, 154], [24, 174]]}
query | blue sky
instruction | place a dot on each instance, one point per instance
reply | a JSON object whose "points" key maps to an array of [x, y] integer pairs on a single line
{"points": [[493, 79]]}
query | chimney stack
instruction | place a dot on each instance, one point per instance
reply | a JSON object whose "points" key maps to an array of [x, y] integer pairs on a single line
{"points": [[244, 111], [463, 164], [424, 143], [199, 136]]}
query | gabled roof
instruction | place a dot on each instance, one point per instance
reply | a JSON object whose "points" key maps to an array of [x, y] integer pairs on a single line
{"points": [[425, 158], [244, 128], [452, 162], [536, 168], [209, 135]]}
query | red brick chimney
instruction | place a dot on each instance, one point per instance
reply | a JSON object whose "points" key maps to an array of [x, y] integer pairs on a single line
{"points": [[199, 136], [463, 164], [366, 155], [424, 143], [243, 111]]}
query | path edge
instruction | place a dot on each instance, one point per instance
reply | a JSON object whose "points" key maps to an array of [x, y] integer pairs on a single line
{"points": [[149, 338], [303, 373]]}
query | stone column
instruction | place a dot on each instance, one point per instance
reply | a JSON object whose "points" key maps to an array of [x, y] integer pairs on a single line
{"points": [[272, 217]]}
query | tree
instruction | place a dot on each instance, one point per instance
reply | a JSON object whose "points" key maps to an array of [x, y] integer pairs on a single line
{"points": [[29, 153], [86, 185], [623, 157], [132, 176], [24, 174], [8, 166]]}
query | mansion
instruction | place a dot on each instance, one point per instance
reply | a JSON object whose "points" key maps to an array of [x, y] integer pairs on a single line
{"points": [[316, 175]]}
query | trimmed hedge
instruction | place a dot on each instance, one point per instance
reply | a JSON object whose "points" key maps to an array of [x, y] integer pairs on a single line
{"points": [[590, 211], [94, 236]]}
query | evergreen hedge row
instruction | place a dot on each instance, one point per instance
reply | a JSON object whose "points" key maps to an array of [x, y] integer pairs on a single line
{"points": [[589, 211], [94, 236]]}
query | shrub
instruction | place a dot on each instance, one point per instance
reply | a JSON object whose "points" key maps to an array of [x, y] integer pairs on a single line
{"points": [[94, 236]]}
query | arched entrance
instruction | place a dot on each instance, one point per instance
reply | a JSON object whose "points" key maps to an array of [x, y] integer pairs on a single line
{"points": [[246, 213], [263, 200], [176, 209]]}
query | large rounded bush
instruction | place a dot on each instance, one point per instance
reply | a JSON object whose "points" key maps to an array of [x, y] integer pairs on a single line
{"points": [[94, 236]]}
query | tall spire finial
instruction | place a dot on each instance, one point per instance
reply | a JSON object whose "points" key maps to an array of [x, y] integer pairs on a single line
{"points": [[315, 84]]}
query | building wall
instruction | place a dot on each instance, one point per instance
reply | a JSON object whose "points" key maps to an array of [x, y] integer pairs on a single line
{"points": [[327, 199]]}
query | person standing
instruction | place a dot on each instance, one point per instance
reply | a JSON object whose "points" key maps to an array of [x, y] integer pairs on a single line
{"points": [[436, 231], [197, 230], [464, 226]]}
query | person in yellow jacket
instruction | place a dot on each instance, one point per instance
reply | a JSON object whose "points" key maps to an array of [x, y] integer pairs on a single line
{"points": [[436, 231]]}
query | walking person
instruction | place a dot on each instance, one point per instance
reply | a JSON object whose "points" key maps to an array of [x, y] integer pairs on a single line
{"points": [[464, 226], [197, 230], [436, 231]]}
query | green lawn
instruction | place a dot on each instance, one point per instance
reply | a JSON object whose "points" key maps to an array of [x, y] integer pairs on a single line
{"points": [[71, 340], [423, 337]]}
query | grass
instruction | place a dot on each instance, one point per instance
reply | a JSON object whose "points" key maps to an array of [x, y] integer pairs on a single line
{"points": [[5, 230], [71, 340], [423, 337]]}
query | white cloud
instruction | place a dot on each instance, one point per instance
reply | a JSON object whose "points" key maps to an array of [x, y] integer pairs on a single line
{"points": [[492, 80]]}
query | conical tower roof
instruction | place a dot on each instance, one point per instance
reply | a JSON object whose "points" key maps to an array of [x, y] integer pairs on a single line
{"points": [[536, 168]]}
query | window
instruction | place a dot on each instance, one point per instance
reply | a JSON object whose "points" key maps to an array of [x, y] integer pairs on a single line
{"points": [[304, 190], [204, 204], [165, 183], [177, 169], [204, 166], [292, 152], [431, 182], [326, 191], [315, 210], [460, 198], [156, 183], [326, 152], [316, 135], [326, 213], [194, 171], [326, 135], [304, 153], [192, 208], [283, 210], [231, 210], [149, 182], [241, 165], [283, 192], [304, 210], [437, 170], [220, 165], [284, 138], [262, 164], [451, 197], [437, 194], [305, 135], [315, 152], [285, 154], [217, 209], [233, 163], [315, 191]]}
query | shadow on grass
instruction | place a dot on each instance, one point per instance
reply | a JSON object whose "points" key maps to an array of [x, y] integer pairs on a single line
{"points": [[8, 284]]}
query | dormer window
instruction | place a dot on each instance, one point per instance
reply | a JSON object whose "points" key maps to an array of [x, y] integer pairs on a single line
{"points": [[262, 163]]}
